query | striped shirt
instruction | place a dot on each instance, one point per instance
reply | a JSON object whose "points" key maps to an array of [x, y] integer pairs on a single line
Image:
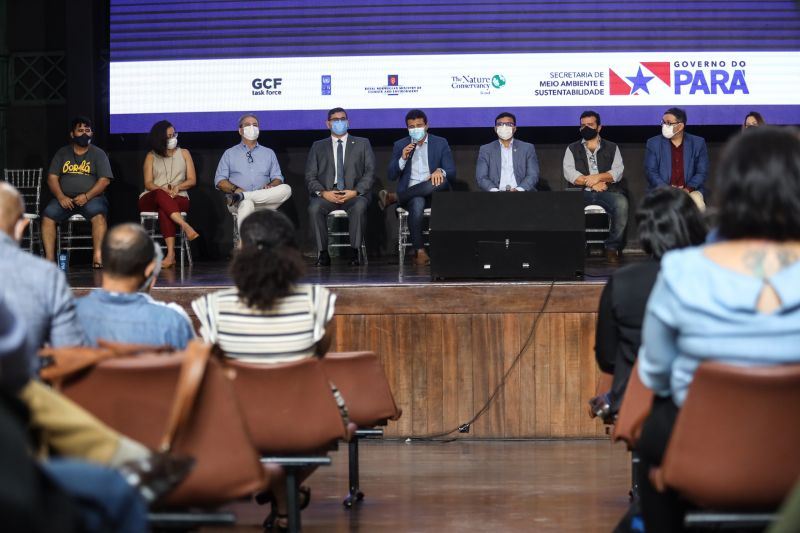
{"points": [[289, 331]]}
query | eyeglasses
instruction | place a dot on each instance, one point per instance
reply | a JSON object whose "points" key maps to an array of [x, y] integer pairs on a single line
{"points": [[249, 155], [665, 123], [498, 124]]}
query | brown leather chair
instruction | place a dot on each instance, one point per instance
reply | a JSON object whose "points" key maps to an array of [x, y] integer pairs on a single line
{"points": [[636, 406], [136, 396], [292, 415], [361, 380], [735, 442]]}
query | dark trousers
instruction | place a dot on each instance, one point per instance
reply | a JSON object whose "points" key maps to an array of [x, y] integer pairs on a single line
{"points": [[318, 210], [662, 511], [414, 200]]}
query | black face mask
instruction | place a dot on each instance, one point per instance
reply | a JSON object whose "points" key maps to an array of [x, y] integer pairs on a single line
{"points": [[82, 140], [588, 133]]}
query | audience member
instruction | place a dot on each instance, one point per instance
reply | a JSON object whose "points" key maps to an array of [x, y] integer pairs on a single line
{"points": [[79, 174], [269, 317], [168, 174], [677, 158], [596, 165], [753, 120], [667, 220], [121, 310], [734, 301], [422, 164], [339, 173], [249, 174], [507, 164]]}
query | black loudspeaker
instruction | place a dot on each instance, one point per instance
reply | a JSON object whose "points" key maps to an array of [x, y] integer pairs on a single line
{"points": [[525, 235]]}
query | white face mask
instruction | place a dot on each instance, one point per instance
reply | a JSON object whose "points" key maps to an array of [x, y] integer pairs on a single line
{"points": [[172, 143], [250, 133], [504, 132], [667, 131]]}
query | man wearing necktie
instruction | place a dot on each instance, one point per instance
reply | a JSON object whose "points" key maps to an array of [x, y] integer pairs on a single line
{"points": [[339, 174]]}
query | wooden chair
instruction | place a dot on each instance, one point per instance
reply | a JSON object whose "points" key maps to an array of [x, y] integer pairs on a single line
{"points": [[360, 378], [735, 442]]}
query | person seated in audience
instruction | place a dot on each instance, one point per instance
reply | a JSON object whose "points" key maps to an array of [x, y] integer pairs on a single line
{"points": [[667, 220], [121, 310], [43, 301], [79, 174], [735, 301], [753, 120], [339, 172], [507, 164], [168, 174], [249, 174], [677, 158], [64, 494], [268, 317], [595, 164], [422, 164]]}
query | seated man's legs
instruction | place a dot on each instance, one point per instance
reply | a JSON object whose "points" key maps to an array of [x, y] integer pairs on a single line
{"points": [[271, 198], [357, 219], [616, 205], [53, 214], [106, 501], [318, 209], [414, 200], [73, 432]]}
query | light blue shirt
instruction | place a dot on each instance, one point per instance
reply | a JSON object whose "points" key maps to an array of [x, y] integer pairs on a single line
{"points": [[419, 163], [236, 167], [507, 178], [701, 311], [38, 293], [133, 318]]}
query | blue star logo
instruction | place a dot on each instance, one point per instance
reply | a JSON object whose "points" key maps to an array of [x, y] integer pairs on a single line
{"points": [[639, 81]]}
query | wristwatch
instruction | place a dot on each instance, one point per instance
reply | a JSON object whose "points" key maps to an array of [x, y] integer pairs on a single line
{"points": [[318, 193]]}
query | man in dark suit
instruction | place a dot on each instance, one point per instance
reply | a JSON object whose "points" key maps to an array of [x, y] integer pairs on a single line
{"points": [[677, 158], [508, 164], [423, 164], [339, 174]]}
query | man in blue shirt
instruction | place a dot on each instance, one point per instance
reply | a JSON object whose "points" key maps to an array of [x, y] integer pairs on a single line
{"points": [[249, 174], [119, 311]]}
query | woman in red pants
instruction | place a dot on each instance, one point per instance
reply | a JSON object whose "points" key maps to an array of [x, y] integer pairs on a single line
{"points": [[168, 174]]}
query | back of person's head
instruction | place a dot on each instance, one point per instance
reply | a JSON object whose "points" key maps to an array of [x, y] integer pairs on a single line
{"points": [[758, 182], [127, 250], [268, 262], [669, 219], [11, 208]]}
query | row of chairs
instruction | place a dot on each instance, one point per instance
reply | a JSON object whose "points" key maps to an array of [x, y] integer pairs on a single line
{"points": [[733, 449], [285, 412]]}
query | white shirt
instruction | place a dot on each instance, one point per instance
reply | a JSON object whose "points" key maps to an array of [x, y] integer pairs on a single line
{"points": [[419, 163]]}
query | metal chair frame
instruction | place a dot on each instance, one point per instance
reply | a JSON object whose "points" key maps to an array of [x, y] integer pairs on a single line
{"points": [[596, 235], [28, 181], [149, 221], [403, 232], [339, 238]]}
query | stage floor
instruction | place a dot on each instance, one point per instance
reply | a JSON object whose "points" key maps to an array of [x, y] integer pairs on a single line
{"points": [[379, 272]]}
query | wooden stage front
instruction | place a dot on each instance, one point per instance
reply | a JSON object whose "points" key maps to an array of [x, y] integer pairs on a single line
{"points": [[446, 346]]}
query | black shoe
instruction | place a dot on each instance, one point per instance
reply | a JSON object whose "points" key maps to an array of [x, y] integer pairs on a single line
{"points": [[156, 475], [354, 262], [324, 259]]}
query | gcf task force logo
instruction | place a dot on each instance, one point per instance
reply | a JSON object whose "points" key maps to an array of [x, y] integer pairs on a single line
{"points": [[479, 83], [393, 87], [678, 77]]}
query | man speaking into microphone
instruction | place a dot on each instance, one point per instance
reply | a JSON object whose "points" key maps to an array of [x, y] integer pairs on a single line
{"points": [[422, 163]]}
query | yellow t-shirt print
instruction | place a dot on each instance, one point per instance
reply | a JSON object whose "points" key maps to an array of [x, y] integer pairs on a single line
{"points": [[85, 167]]}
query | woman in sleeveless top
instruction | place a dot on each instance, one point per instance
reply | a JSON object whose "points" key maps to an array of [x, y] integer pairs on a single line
{"points": [[168, 174], [735, 301]]}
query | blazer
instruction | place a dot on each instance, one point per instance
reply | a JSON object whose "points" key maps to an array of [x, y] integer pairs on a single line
{"points": [[526, 166], [658, 161], [359, 166], [439, 156]]}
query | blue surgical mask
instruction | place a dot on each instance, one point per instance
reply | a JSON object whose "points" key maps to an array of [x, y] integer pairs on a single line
{"points": [[339, 127], [416, 134]]}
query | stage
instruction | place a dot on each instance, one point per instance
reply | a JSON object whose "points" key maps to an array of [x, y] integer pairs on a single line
{"points": [[446, 345]]}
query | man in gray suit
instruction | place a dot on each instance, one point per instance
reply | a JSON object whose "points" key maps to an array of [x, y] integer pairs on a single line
{"points": [[508, 164], [339, 174]]}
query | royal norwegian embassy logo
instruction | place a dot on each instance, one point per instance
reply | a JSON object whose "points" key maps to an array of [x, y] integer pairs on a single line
{"points": [[482, 84], [681, 77], [393, 87]]}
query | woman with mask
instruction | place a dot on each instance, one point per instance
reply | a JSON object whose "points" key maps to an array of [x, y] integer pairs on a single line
{"points": [[168, 174], [753, 120]]}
